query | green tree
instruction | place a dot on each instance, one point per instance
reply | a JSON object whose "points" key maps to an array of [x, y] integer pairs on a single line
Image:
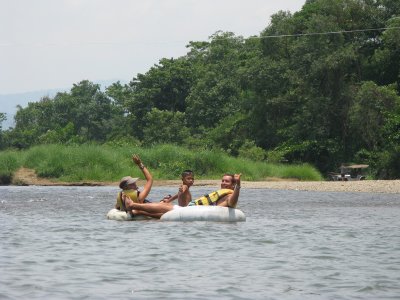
{"points": [[374, 107], [122, 120], [385, 62], [164, 127], [215, 93], [84, 114], [165, 87], [3, 118]]}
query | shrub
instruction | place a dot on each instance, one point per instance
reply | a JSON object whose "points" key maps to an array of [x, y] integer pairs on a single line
{"points": [[8, 164]]}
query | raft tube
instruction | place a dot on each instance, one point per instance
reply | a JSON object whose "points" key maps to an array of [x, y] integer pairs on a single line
{"points": [[204, 213], [118, 215]]}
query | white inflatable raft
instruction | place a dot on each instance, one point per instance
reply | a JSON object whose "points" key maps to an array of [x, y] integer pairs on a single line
{"points": [[187, 214], [204, 213]]}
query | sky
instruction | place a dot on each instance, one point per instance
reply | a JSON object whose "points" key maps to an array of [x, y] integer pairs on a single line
{"points": [[51, 44]]}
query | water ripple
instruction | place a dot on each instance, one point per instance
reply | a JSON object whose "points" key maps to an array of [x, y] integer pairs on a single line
{"points": [[294, 245]]}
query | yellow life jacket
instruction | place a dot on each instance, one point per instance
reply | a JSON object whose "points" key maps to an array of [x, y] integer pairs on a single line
{"points": [[133, 194], [212, 198]]}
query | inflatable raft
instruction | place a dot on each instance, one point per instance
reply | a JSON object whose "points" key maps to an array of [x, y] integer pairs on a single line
{"points": [[204, 213], [188, 214]]}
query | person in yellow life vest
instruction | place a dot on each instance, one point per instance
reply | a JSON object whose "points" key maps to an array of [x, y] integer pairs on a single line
{"points": [[228, 196], [130, 189]]}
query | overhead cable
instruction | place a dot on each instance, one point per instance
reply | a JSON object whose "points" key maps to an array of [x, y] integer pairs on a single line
{"points": [[41, 44]]}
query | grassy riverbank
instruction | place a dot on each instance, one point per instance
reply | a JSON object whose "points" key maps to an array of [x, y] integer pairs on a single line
{"points": [[110, 163]]}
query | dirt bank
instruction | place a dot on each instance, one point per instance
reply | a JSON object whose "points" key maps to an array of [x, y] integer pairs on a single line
{"points": [[28, 177]]}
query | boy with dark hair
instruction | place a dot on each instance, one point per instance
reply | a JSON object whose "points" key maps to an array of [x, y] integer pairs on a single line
{"points": [[184, 196]]}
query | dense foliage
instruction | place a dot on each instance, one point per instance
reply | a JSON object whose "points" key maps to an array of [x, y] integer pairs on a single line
{"points": [[319, 86]]}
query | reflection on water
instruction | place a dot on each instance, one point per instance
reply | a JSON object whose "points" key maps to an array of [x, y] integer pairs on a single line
{"points": [[56, 243]]}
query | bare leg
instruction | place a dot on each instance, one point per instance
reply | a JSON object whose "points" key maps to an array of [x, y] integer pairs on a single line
{"points": [[152, 208], [144, 213]]}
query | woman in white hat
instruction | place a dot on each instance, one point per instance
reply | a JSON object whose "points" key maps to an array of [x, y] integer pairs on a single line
{"points": [[129, 187]]}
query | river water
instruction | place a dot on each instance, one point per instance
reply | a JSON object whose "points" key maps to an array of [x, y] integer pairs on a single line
{"points": [[56, 243]]}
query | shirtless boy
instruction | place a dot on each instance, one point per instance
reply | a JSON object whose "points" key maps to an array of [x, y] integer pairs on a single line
{"points": [[184, 196]]}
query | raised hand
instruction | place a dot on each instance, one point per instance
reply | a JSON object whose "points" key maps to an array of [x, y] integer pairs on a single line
{"points": [[136, 159], [237, 178]]}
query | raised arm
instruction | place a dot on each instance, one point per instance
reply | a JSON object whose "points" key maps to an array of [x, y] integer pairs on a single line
{"points": [[149, 179], [234, 198]]}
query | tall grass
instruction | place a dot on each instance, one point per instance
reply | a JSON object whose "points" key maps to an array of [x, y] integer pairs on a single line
{"points": [[110, 163], [9, 163], [78, 163]]}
